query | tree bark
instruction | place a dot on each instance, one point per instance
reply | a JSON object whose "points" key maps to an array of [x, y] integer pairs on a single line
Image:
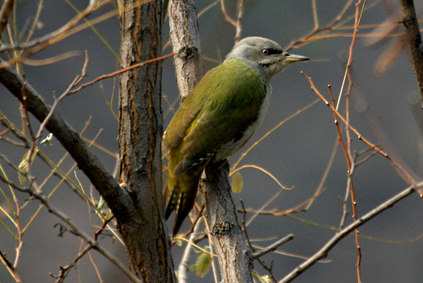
{"points": [[185, 37], [140, 132], [414, 40], [229, 244]]}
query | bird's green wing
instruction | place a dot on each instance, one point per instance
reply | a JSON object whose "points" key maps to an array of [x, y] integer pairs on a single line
{"points": [[188, 112], [178, 127], [227, 111]]}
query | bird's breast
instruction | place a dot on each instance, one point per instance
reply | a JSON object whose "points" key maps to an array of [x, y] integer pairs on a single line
{"points": [[244, 135]]}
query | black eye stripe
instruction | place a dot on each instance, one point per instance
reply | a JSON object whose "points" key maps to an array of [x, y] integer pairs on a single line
{"points": [[270, 51]]}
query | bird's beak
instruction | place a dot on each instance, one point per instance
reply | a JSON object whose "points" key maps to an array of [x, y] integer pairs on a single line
{"points": [[295, 58]]}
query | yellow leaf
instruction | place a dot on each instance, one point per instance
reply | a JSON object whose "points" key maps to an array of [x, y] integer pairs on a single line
{"points": [[204, 262], [261, 279], [23, 166], [237, 183], [179, 242]]}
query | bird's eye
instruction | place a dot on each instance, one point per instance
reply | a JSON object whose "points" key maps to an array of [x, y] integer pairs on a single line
{"points": [[271, 51]]}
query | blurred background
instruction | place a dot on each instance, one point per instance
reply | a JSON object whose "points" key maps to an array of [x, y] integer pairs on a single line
{"points": [[385, 107]]}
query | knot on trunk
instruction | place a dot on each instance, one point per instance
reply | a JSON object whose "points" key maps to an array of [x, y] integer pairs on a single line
{"points": [[222, 228], [188, 52]]}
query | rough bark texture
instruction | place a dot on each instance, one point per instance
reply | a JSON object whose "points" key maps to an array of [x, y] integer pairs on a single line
{"points": [[185, 37], [414, 40], [140, 132], [235, 260], [229, 242]]}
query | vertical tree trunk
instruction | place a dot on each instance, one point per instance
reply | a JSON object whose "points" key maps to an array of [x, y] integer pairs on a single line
{"points": [[185, 37], [140, 132], [229, 242]]}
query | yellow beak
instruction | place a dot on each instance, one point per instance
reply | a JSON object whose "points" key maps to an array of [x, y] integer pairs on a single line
{"points": [[295, 58]]}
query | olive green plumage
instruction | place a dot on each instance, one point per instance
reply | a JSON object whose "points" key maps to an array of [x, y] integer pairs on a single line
{"points": [[218, 117]]}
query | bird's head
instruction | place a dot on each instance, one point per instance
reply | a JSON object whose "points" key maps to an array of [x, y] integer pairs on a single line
{"points": [[263, 54]]}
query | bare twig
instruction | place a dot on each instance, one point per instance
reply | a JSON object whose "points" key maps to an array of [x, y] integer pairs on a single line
{"points": [[325, 175], [240, 14], [359, 136], [9, 266], [75, 82], [74, 229], [39, 44], [365, 158], [15, 132], [350, 184], [322, 253], [116, 198], [197, 218], [275, 212], [113, 74], [309, 37], [14, 143], [236, 23], [99, 231], [225, 13], [273, 246], [338, 129], [351, 49], [19, 232], [207, 8], [209, 238], [271, 131], [64, 270], [244, 229], [184, 265]]}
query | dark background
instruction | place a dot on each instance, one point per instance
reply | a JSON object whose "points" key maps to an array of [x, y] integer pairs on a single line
{"points": [[296, 154]]}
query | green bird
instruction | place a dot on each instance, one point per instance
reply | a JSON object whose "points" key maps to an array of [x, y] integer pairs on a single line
{"points": [[218, 117]]}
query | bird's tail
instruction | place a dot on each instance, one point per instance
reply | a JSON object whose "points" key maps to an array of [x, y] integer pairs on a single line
{"points": [[179, 196]]}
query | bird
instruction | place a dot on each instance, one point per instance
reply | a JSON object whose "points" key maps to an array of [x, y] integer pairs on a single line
{"points": [[218, 117]]}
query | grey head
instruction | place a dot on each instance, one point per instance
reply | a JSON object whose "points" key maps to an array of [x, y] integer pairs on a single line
{"points": [[264, 55]]}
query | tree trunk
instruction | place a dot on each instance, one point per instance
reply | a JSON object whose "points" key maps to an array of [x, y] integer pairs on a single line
{"points": [[185, 37], [140, 132], [229, 244]]}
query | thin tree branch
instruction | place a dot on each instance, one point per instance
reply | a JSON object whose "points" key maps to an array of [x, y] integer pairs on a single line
{"points": [[74, 229], [414, 40], [404, 173], [118, 72], [322, 253], [9, 266], [64, 270], [40, 43], [240, 15], [184, 265], [117, 199], [273, 246]]}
